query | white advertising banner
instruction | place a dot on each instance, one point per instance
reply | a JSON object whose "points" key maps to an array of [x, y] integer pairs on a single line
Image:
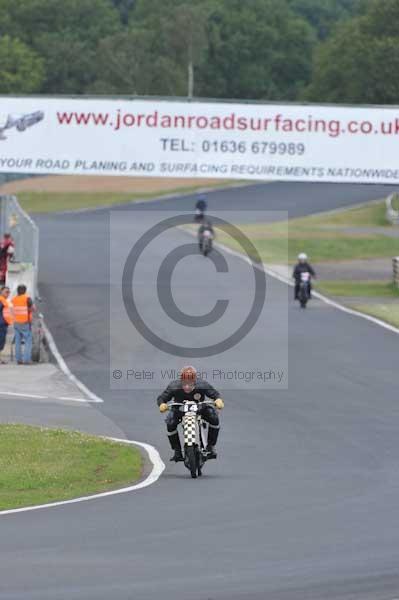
{"points": [[198, 139]]}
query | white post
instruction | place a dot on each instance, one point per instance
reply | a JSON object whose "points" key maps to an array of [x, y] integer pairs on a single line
{"points": [[392, 214], [190, 79], [395, 264]]}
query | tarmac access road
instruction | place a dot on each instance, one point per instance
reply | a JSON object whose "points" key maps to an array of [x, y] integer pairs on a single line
{"points": [[302, 503]]}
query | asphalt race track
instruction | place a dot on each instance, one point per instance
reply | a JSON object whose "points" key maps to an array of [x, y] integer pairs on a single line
{"points": [[303, 502]]}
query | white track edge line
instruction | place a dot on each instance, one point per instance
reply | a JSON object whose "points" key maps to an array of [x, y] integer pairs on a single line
{"points": [[18, 394], [70, 399], [156, 472], [37, 397], [333, 303], [65, 369]]}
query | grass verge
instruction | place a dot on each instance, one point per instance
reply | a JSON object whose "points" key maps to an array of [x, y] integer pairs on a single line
{"points": [[40, 465], [34, 202], [276, 241], [370, 214], [367, 289], [322, 237], [325, 237], [386, 312]]}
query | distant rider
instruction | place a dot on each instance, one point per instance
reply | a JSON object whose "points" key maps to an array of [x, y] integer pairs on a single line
{"points": [[206, 226], [200, 208], [302, 266], [189, 387], [201, 204]]}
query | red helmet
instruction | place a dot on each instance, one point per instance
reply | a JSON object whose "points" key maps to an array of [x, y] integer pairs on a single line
{"points": [[188, 378]]}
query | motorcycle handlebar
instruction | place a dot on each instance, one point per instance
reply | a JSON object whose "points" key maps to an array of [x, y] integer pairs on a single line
{"points": [[212, 402]]}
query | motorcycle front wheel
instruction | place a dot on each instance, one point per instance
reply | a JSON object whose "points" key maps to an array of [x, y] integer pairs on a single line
{"points": [[191, 460]]}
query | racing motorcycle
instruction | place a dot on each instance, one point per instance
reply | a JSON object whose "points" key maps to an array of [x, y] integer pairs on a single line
{"points": [[304, 289], [195, 431], [206, 242]]}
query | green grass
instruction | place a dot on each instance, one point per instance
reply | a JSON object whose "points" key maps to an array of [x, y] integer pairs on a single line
{"points": [[341, 248], [386, 312], [274, 244], [52, 202], [322, 236], [34, 202], [371, 214], [46, 465], [367, 289]]}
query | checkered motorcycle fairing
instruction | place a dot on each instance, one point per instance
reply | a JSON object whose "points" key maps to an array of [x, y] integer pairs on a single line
{"points": [[190, 429]]}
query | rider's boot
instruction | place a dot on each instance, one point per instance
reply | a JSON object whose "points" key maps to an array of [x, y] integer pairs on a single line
{"points": [[213, 433], [210, 452], [174, 441], [177, 456]]}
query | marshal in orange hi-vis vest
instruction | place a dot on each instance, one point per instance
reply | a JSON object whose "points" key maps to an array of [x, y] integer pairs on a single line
{"points": [[7, 310], [22, 314]]}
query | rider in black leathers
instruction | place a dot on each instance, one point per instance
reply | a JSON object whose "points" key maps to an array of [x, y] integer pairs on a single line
{"points": [[201, 204], [200, 208], [189, 387], [302, 267], [206, 226]]}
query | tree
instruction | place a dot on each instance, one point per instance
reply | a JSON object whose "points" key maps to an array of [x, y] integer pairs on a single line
{"points": [[65, 33], [21, 69], [125, 8], [323, 15], [359, 63], [179, 28], [126, 65], [254, 49], [186, 36], [257, 50]]}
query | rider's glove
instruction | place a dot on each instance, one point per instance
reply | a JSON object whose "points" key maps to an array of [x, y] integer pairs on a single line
{"points": [[163, 407], [219, 403]]}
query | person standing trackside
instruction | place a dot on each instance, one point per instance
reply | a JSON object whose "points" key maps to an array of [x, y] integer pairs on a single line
{"points": [[23, 308], [6, 253], [6, 318]]}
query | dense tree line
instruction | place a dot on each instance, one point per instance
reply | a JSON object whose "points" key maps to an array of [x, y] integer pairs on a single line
{"points": [[317, 50]]}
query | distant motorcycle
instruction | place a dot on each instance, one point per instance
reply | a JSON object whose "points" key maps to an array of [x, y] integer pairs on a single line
{"points": [[195, 431], [304, 289], [206, 242]]}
